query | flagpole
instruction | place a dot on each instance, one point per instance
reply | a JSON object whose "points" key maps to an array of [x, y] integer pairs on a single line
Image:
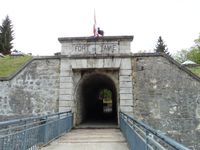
{"points": [[94, 26]]}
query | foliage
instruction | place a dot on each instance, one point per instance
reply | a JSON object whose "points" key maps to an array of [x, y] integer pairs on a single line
{"points": [[195, 70], [161, 47], [181, 56], [106, 95], [9, 65], [194, 54], [6, 36]]}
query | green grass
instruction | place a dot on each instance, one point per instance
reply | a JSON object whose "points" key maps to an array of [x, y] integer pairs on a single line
{"points": [[9, 65], [195, 70]]}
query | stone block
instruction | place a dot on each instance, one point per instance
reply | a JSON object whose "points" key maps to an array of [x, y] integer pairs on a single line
{"points": [[65, 65], [66, 85], [126, 96], [117, 62], [81, 63], [111, 63], [125, 102], [125, 78], [126, 109], [66, 91], [65, 103], [125, 72], [73, 63], [126, 64], [65, 97], [108, 63], [127, 90], [65, 73], [64, 109], [99, 63], [124, 47], [66, 79], [90, 63], [125, 84], [66, 48]]}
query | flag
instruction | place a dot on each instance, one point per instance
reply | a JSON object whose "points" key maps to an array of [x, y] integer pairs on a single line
{"points": [[94, 26]]}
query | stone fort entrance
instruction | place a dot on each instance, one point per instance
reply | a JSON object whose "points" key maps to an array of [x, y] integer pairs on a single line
{"points": [[90, 67], [152, 87], [91, 103]]}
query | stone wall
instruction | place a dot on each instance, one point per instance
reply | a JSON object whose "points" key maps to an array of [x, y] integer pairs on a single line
{"points": [[167, 97], [4, 98], [34, 90], [71, 75], [152, 87]]}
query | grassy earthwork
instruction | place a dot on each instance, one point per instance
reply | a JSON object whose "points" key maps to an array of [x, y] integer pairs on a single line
{"points": [[9, 64], [195, 70]]}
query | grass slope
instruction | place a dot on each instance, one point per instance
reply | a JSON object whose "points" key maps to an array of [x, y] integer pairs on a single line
{"points": [[9, 65], [195, 70]]}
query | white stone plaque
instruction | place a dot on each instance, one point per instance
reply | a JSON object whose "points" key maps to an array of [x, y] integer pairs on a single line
{"points": [[95, 48]]}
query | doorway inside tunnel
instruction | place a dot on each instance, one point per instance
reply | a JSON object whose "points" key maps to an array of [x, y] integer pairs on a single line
{"points": [[96, 100]]}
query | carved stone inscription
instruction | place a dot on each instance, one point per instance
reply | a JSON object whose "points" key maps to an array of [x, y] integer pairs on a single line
{"points": [[95, 48]]}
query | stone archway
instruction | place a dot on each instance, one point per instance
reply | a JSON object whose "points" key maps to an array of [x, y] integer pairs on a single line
{"points": [[91, 107]]}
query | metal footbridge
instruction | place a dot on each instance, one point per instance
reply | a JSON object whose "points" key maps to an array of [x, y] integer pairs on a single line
{"points": [[55, 131]]}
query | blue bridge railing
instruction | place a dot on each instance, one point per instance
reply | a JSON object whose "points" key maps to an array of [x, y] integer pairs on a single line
{"points": [[30, 133], [142, 137]]}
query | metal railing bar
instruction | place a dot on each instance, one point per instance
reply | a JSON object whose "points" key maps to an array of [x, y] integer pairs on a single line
{"points": [[20, 126], [141, 138], [28, 124], [30, 133], [152, 140], [140, 130], [173, 143], [11, 134], [150, 147], [162, 137], [4, 123]]}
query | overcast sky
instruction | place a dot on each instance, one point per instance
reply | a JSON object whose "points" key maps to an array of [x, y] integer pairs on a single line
{"points": [[39, 23]]}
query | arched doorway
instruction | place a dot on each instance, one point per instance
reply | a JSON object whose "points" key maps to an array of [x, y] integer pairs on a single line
{"points": [[96, 99]]}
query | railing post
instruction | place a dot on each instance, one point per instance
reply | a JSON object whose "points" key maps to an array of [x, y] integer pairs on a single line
{"points": [[72, 120], [25, 139], [146, 139], [46, 130], [69, 120], [8, 140], [59, 124]]}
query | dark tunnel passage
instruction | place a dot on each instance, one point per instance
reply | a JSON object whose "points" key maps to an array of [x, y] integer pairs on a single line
{"points": [[97, 99]]}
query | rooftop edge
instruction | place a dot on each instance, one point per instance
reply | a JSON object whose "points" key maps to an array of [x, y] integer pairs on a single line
{"points": [[95, 39]]}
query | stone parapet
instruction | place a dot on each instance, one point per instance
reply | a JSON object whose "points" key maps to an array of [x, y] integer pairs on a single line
{"points": [[94, 46]]}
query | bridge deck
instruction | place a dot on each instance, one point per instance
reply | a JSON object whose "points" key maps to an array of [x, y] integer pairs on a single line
{"points": [[89, 139]]}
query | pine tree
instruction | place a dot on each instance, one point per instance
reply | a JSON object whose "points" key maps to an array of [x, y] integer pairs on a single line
{"points": [[161, 47], [6, 36]]}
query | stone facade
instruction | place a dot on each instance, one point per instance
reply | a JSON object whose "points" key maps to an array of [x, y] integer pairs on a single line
{"points": [[152, 87], [34, 90], [94, 54], [167, 98]]}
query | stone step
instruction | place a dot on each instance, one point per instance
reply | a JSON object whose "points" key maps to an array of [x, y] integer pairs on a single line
{"points": [[85, 135], [89, 139]]}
